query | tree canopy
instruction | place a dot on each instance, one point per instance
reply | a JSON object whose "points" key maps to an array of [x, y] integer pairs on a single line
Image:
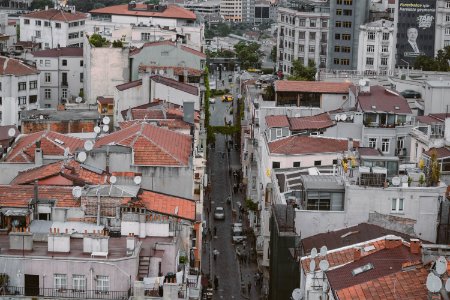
{"points": [[97, 40], [87, 5], [41, 4], [438, 63], [301, 72], [249, 54]]}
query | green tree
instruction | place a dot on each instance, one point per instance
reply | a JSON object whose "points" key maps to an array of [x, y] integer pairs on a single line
{"points": [[41, 4], [97, 40], [301, 72], [248, 54], [425, 63], [210, 137], [273, 54], [442, 61], [434, 170], [117, 44]]}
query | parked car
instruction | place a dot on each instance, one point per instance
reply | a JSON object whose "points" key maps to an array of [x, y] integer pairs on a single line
{"points": [[219, 213], [239, 239], [227, 98]]}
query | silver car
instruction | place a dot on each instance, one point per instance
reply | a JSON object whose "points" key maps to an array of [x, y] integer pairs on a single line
{"points": [[219, 213]]}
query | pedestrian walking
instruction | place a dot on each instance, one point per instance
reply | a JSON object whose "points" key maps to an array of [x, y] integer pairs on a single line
{"points": [[215, 231], [216, 282], [215, 253], [249, 287]]}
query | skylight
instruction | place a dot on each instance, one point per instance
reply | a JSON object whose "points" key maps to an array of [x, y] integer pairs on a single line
{"points": [[362, 269]]}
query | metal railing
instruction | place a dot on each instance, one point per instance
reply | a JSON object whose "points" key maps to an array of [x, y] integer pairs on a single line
{"points": [[65, 293]]}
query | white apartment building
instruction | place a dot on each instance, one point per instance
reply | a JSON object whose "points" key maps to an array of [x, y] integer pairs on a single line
{"points": [[61, 75], [376, 44], [301, 35], [136, 24], [442, 35], [53, 28], [19, 89], [231, 10]]}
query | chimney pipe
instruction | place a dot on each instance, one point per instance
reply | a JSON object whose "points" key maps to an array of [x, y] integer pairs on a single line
{"points": [[393, 242], [415, 246], [356, 254]]}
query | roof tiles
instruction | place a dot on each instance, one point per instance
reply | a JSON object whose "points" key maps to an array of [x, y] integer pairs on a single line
{"points": [[442, 152], [172, 12], [301, 144], [58, 52], [11, 66], [181, 86], [312, 87], [381, 99], [56, 15], [316, 122], [168, 43], [20, 195], [277, 121]]}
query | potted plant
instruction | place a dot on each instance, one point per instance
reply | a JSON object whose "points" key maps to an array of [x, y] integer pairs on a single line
{"points": [[421, 179]]}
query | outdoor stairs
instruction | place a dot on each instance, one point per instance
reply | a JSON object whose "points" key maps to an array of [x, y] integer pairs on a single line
{"points": [[144, 266]]}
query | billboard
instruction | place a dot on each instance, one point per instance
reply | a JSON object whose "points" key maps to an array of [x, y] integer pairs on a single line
{"points": [[415, 30]]}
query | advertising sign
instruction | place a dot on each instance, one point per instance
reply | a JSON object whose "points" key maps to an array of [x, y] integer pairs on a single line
{"points": [[415, 31]]}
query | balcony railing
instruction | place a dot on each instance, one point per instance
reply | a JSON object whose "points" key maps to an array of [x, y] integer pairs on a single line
{"points": [[64, 293]]}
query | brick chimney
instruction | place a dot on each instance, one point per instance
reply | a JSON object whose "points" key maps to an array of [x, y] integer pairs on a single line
{"points": [[392, 241], [356, 254], [415, 246]]}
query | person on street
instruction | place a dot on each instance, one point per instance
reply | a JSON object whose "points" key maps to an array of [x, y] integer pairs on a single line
{"points": [[216, 282], [215, 253], [215, 231], [249, 287]]}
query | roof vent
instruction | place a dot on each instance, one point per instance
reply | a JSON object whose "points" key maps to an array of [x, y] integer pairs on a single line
{"points": [[362, 269], [59, 141]]}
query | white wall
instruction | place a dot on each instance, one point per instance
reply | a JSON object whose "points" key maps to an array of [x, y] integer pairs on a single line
{"points": [[151, 229], [126, 99], [164, 92], [307, 160]]}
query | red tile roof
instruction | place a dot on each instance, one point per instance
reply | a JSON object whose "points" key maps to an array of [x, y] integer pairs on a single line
{"points": [[428, 120], [11, 66], [4, 132], [385, 262], [381, 99], [152, 145], [408, 285], [321, 121], [172, 12], [301, 144], [181, 86], [58, 52], [20, 195], [172, 124], [103, 100], [277, 121], [71, 170], [129, 85], [442, 152], [176, 70], [312, 87], [166, 204], [141, 114], [56, 15], [23, 149], [441, 116], [168, 43]]}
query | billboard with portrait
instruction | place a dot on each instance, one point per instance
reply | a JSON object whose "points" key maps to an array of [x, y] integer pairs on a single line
{"points": [[415, 30]]}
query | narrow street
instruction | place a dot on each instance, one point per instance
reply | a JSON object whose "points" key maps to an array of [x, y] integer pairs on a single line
{"points": [[233, 274]]}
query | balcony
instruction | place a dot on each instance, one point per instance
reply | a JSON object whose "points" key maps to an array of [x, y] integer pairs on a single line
{"points": [[64, 84], [64, 293]]}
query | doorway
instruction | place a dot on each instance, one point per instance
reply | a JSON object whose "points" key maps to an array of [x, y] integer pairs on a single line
{"points": [[31, 285]]}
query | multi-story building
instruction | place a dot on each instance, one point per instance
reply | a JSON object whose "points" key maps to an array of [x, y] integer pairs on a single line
{"points": [[211, 7], [61, 75], [346, 16], [53, 28], [19, 89], [376, 41], [231, 10], [442, 35], [302, 35]]}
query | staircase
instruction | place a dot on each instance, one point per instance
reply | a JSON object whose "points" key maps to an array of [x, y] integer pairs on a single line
{"points": [[144, 266]]}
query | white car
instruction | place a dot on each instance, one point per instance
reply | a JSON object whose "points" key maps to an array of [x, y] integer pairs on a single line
{"points": [[212, 100], [219, 213]]}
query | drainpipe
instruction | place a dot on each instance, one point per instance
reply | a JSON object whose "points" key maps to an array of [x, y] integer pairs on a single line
{"points": [[98, 206]]}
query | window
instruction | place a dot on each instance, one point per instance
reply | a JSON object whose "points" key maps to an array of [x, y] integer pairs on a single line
{"points": [[312, 23], [345, 61], [47, 46], [348, 2], [33, 84], [47, 93], [164, 53], [336, 61], [372, 143], [37, 33], [22, 86], [301, 48], [102, 283], [385, 36], [312, 49], [47, 106], [347, 24], [371, 35], [58, 25], [447, 5], [47, 63], [335, 161], [317, 162], [338, 12], [278, 132], [345, 49], [301, 35], [145, 36], [338, 24], [369, 61], [79, 283], [64, 93], [397, 205], [26, 21], [337, 36], [275, 165], [447, 18], [81, 63], [348, 12], [1, 101], [301, 22], [346, 37], [385, 145], [385, 49], [32, 99], [370, 48], [37, 22], [47, 77], [46, 23], [81, 77], [324, 23], [73, 24], [60, 281], [400, 142], [312, 36], [296, 164], [22, 100], [73, 35], [64, 62], [384, 61]]}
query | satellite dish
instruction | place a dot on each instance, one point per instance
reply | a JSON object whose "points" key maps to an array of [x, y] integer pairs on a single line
{"points": [[362, 82], [351, 117], [82, 156], [106, 120], [324, 265], [396, 181], [312, 265], [97, 129], [441, 265], [447, 285], [113, 179], [336, 117], [404, 179], [161, 72], [76, 192], [323, 251], [78, 99], [313, 253], [66, 152], [434, 283], [137, 180], [11, 132], [88, 145], [343, 117], [297, 294], [105, 128]]}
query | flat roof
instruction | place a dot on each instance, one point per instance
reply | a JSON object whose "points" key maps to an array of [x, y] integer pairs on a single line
{"points": [[60, 115], [322, 182]]}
